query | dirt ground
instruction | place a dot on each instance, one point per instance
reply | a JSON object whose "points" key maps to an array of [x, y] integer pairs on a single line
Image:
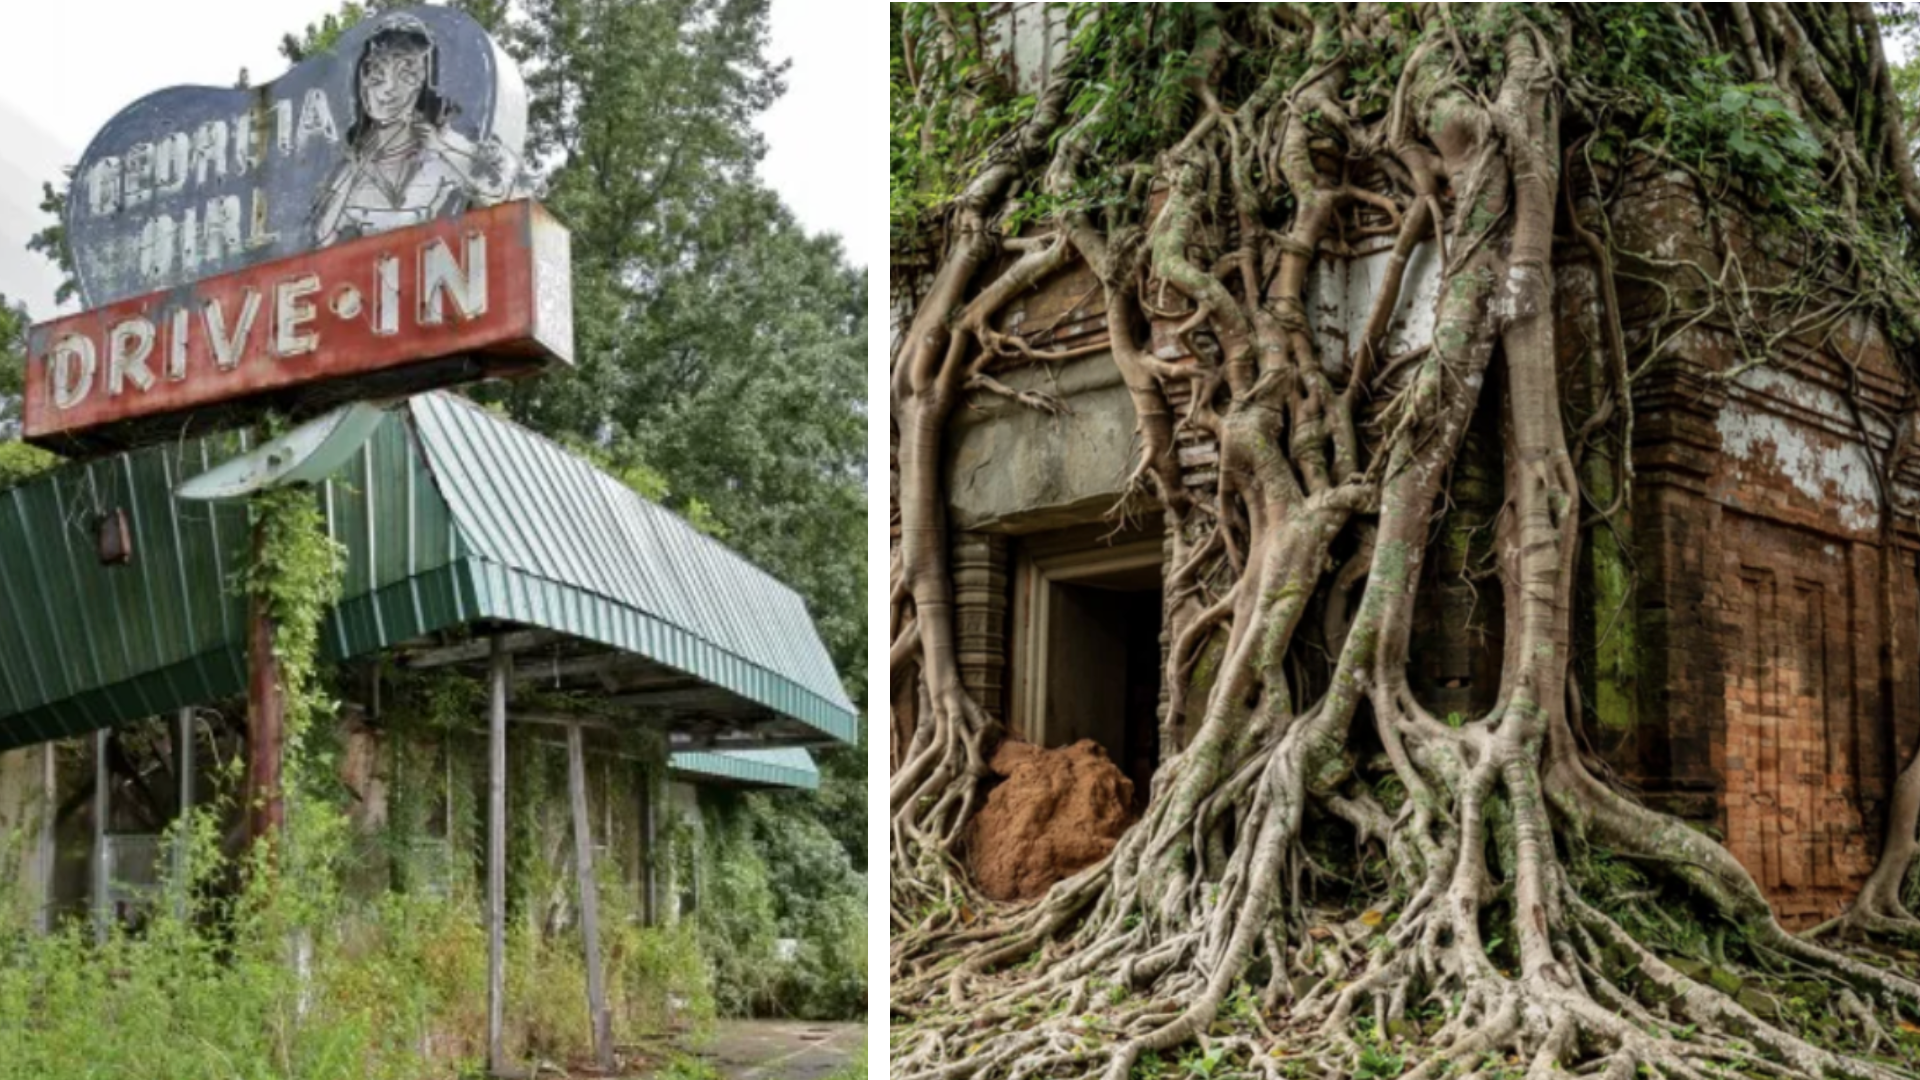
{"points": [[781, 1049], [1054, 813]]}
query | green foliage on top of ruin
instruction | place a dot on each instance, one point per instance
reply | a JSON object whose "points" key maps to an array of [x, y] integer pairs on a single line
{"points": [[1645, 85]]}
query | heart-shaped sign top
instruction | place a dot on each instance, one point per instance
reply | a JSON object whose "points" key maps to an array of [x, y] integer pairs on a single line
{"points": [[415, 114]]}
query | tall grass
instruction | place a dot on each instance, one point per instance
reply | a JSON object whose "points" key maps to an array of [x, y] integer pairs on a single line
{"points": [[267, 969]]}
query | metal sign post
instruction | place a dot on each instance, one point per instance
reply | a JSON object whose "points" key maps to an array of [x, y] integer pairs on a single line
{"points": [[266, 805], [589, 898], [499, 672], [50, 801], [649, 858], [182, 840]]}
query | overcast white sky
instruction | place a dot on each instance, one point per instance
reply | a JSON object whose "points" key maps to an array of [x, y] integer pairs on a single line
{"points": [[66, 66]]}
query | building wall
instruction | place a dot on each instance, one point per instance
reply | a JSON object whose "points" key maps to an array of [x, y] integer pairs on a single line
{"points": [[416, 804], [25, 802], [1780, 678]]}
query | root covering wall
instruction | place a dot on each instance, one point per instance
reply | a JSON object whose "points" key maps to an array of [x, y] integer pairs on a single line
{"points": [[1752, 655]]}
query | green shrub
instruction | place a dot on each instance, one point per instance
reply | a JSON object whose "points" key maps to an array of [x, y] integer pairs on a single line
{"points": [[770, 873], [280, 981]]}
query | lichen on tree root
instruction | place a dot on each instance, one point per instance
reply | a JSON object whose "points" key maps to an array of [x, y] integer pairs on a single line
{"points": [[1199, 159]]}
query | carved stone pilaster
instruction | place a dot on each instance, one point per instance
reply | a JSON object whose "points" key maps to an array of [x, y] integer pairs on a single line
{"points": [[980, 598]]}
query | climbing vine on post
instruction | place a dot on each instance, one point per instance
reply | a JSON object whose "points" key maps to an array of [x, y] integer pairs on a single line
{"points": [[296, 571], [291, 580]]}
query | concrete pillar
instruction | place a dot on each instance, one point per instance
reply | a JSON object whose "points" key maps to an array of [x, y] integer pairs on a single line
{"points": [[26, 813]]}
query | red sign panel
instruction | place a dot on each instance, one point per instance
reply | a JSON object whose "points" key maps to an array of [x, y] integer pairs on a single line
{"points": [[485, 294]]}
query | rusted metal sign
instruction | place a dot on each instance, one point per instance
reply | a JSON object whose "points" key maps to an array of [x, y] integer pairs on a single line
{"points": [[236, 245], [415, 114], [484, 294]]}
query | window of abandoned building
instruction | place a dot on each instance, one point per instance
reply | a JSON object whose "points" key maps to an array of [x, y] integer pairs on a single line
{"points": [[1087, 645]]}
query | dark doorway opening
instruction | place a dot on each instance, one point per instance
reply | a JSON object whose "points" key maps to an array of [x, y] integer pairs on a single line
{"points": [[1091, 655]]}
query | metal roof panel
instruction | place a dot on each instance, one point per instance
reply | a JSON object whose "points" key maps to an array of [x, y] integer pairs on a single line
{"points": [[559, 534], [785, 767]]}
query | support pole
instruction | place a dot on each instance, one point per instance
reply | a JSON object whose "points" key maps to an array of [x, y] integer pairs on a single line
{"points": [[649, 861], [497, 675], [102, 806], [49, 807], [266, 720], [589, 899], [183, 760]]}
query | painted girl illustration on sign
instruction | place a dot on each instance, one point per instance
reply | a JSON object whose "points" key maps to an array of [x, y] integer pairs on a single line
{"points": [[405, 164]]}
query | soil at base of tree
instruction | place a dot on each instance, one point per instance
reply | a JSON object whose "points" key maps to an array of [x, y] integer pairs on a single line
{"points": [[1052, 814]]}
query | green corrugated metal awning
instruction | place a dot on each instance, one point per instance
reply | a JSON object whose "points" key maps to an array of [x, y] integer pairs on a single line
{"points": [[450, 515], [559, 544], [789, 767]]}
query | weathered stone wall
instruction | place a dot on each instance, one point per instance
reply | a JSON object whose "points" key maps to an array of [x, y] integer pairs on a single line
{"points": [[1753, 658], [1013, 469]]}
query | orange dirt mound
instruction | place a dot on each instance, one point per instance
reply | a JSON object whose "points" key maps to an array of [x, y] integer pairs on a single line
{"points": [[1055, 813]]}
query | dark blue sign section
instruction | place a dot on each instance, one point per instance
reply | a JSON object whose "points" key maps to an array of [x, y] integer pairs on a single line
{"points": [[416, 114]]}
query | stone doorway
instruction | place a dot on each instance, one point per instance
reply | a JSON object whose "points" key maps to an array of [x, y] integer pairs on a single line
{"points": [[1087, 646]]}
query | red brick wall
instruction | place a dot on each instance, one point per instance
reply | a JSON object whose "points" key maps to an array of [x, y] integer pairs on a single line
{"points": [[1777, 617], [1788, 761]]}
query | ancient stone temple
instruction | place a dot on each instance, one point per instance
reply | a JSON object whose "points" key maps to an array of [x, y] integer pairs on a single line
{"points": [[1752, 656]]}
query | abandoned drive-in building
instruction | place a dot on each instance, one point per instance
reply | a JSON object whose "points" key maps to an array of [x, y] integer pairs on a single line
{"points": [[626, 653]]}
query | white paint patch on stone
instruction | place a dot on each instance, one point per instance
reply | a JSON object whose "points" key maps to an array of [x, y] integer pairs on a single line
{"points": [[1827, 471], [902, 302], [1326, 299], [1340, 296], [1034, 37], [1784, 385]]}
